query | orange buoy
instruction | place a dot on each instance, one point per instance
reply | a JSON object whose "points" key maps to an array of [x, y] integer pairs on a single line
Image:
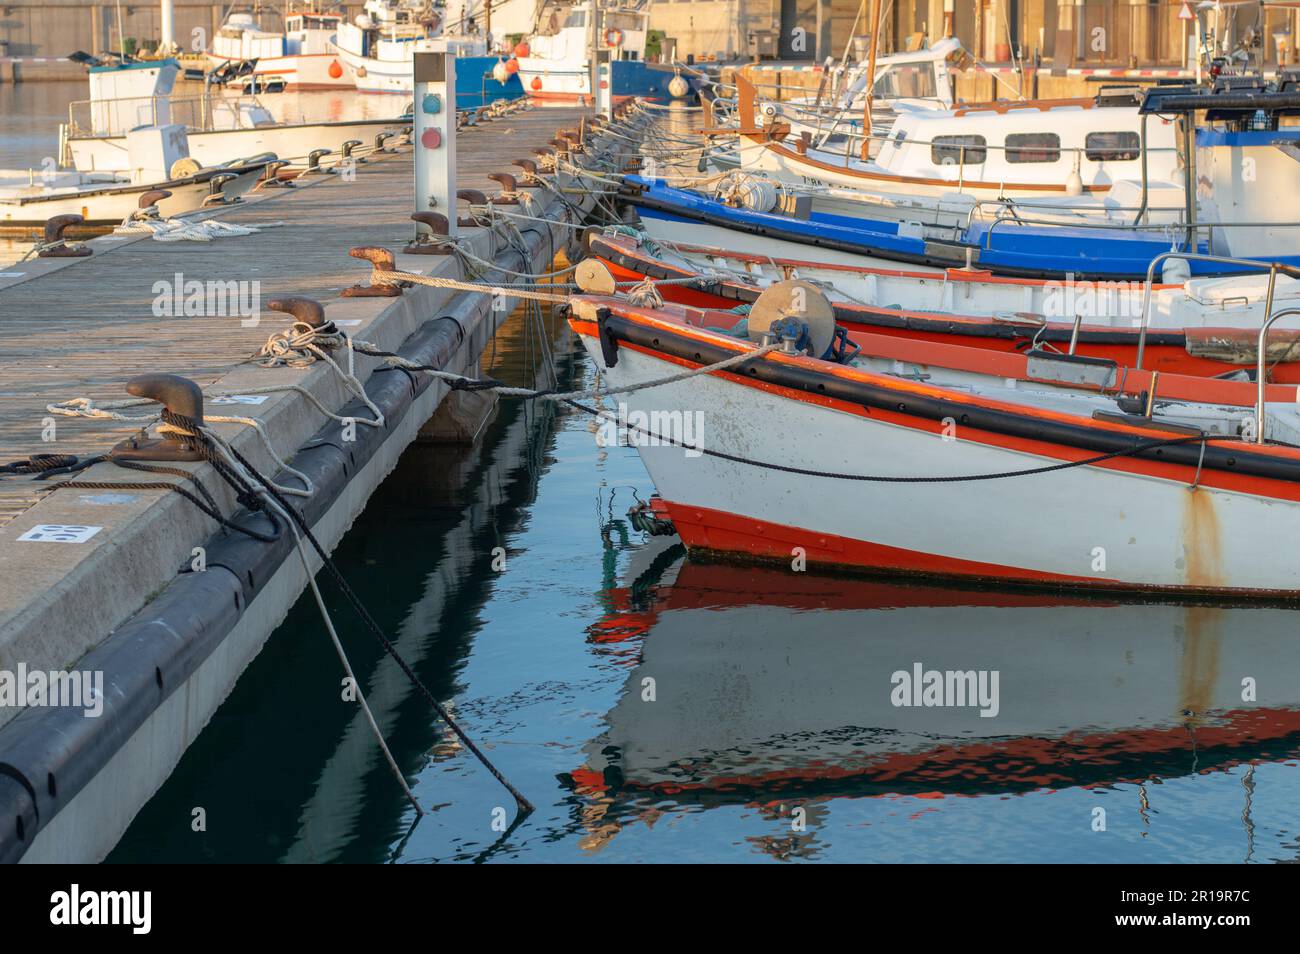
{"points": [[335, 70], [522, 49], [536, 83], [512, 65]]}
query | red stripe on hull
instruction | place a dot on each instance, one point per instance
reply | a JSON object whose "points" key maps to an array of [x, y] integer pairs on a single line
{"points": [[702, 528]]}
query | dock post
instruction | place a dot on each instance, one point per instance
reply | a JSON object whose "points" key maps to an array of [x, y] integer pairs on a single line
{"points": [[435, 139], [604, 86]]}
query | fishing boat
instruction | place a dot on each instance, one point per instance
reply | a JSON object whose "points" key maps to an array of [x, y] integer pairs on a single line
{"points": [[219, 129], [911, 457], [555, 63], [752, 707], [1225, 212], [378, 51], [301, 57], [1198, 326], [906, 81], [1004, 149]]}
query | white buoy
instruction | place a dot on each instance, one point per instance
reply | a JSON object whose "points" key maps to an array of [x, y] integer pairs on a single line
{"points": [[500, 73], [678, 87]]}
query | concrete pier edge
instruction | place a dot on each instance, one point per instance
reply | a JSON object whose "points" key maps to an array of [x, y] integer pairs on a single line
{"points": [[70, 785]]}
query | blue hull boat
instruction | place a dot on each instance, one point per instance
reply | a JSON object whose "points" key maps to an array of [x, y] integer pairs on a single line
{"points": [[1042, 252]]}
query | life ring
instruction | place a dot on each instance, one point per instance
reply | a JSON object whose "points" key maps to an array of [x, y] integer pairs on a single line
{"points": [[613, 37]]}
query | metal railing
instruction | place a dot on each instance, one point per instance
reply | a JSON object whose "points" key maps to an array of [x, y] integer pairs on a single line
{"points": [[115, 117]]}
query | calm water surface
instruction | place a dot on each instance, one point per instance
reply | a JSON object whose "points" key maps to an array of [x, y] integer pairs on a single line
{"points": [[771, 734]]}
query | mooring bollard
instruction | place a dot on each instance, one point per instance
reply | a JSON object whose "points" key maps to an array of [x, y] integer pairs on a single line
{"points": [[179, 396], [509, 186], [54, 245], [313, 162], [348, 147], [436, 226], [271, 177], [216, 189], [147, 205], [473, 197], [529, 167], [306, 310], [381, 260]]}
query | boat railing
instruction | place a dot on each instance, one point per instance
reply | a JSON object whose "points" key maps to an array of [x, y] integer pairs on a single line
{"points": [[1270, 318], [1190, 229], [115, 117]]}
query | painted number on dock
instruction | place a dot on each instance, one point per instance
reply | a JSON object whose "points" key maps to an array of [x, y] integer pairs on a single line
{"points": [[239, 399], [59, 533]]}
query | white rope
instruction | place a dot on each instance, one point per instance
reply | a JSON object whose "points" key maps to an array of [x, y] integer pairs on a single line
{"points": [[87, 408], [177, 230]]}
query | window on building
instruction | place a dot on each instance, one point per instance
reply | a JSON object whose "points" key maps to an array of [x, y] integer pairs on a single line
{"points": [[1112, 146], [1033, 147], [947, 150]]}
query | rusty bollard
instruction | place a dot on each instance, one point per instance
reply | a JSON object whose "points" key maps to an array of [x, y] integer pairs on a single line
{"points": [[179, 396], [508, 184], [308, 311], [381, 260], [424, 243], [271, 177], [152, 197], [529, 167], [473, 197], [55, 243]]}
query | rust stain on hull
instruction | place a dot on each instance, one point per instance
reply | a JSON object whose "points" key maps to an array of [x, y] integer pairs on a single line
{"points": [[1201, 549]]}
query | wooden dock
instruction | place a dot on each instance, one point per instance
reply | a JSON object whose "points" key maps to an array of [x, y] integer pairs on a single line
{"points": [[128, 600], [81, 327]]}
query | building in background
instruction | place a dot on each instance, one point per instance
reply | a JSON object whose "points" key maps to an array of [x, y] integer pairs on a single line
{"points": [[1064, 33]]}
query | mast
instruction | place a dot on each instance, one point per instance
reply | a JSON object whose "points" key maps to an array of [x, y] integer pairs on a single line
{"points": [[871, 79]]}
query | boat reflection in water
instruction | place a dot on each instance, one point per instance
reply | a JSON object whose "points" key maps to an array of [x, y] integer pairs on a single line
{"points": [[778, 690]]}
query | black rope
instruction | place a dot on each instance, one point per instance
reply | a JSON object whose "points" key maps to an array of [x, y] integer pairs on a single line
{"points": [[39, 463], [878, 478], [523, 803]]}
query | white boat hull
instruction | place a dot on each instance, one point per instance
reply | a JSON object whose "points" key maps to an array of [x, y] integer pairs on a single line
{"points": [[218, 147], [1079, 526], [109, 206]]}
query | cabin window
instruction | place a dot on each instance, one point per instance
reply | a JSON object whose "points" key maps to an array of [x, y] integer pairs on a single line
{"points": [[1112, 146], [577, 18], [1033, 147], [947, 150], [905, 80]]}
